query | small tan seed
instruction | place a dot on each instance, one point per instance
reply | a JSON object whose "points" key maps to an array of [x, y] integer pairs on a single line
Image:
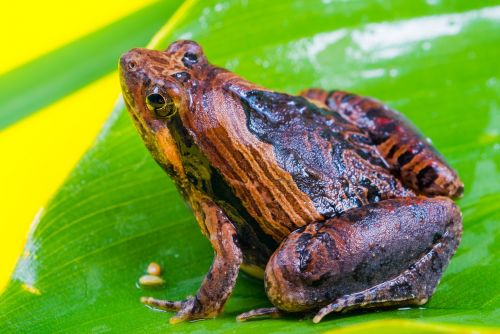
{"points": [[154, 269], [151, 281]]}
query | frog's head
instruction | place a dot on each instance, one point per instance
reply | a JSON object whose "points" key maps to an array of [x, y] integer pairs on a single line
{"points": [[156, 86]]}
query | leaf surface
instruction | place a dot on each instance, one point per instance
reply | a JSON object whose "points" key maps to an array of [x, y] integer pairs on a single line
{"points": [[435, 61]]}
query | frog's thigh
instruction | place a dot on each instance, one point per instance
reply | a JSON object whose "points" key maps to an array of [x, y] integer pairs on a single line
{"points": [[397, 140], [385, 254]]}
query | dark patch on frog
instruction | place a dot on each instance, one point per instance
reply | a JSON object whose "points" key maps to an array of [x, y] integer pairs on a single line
{"points": [[393, 150], [426, 176], [256, 245], [408, 155], [301, 248], [373, 193], [182, 77], [324, 153]]}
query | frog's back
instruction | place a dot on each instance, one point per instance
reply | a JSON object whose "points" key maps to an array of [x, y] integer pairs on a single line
{"points": [[334, 162], [281, 161]]}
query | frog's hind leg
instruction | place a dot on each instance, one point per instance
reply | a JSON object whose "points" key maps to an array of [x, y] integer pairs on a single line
{"points": [[389, 253], [408, 153], [413, 287]]}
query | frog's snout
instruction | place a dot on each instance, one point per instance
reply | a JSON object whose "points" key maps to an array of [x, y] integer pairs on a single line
{"points": [[124, 59], [130, 66], [130, 61]]}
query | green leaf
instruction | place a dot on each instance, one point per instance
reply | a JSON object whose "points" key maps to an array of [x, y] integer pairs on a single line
{"points": [[436, 61]]}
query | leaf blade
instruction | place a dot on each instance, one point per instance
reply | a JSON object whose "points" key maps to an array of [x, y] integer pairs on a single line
{"points": [[112, 253]]}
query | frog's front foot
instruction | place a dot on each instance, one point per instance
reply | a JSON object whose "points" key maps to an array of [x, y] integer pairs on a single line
{"points": [[189, 309], [220, 280]]}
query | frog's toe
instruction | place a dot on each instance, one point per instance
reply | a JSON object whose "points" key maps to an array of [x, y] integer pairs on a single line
{"points": [[272, 312], [331, 308], [166, 305]]}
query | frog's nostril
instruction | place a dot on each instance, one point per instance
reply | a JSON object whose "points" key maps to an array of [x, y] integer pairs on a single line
{"points": [[128, 62], [132, 65]]}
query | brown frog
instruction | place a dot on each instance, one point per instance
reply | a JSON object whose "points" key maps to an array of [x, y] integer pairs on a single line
{"points": [[333, 198]]}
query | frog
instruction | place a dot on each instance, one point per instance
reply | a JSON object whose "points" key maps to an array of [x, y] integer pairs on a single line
{"points": [[336, 201]]}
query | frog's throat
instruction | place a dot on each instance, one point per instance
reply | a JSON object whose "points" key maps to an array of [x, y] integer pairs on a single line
{"points": [[168, 147]]}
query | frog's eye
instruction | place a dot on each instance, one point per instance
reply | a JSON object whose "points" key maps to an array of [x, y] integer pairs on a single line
{"points": [[162, 106], [189, 59]]}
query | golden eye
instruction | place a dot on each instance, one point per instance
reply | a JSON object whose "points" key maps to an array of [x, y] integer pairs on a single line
{"points": [[155, 101], [162, 106]]}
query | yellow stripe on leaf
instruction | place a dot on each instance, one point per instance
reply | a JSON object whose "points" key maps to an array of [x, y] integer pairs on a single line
{"points": [[411, 327], [33, 28], [37, 155]]}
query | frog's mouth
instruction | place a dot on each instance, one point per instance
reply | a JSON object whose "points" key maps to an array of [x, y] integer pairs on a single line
{"points": [[137, 121]]}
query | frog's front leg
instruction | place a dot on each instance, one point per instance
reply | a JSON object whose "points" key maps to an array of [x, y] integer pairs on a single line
{"points": [[390, 253], [411, 156], [219, 282]]}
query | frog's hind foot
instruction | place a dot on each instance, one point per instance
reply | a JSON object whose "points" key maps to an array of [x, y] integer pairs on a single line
{"points": [[401, 291], [272, 312]]}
